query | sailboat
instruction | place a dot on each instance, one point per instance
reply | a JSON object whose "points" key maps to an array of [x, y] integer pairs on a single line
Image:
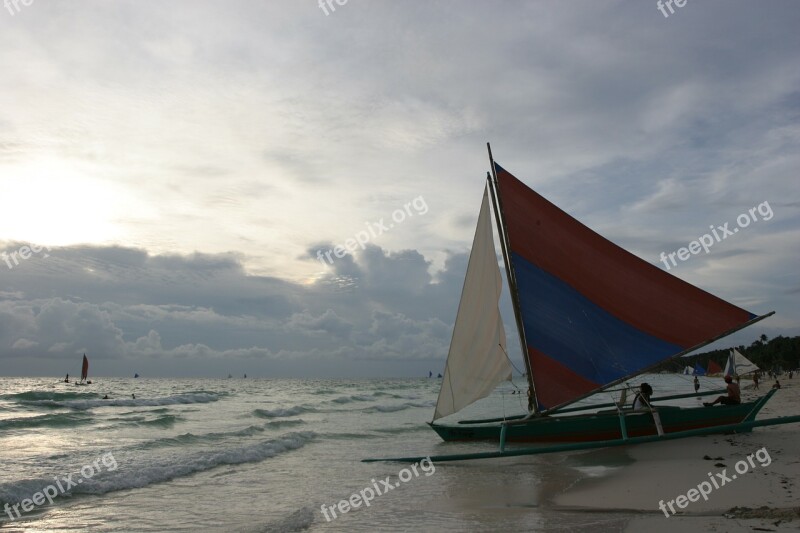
{"points": [[713, 368], [738, 364], [590, 316], [84, 372]]}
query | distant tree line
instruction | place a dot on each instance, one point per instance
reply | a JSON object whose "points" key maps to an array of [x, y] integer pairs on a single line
{"points": [[769, 354]]}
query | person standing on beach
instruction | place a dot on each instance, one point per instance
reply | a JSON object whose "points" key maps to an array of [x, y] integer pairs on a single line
{"points": [[733, 397], [755, 380], [696, 384]]}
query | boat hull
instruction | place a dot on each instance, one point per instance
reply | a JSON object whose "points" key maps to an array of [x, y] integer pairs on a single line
{"points": [[604, 425]]}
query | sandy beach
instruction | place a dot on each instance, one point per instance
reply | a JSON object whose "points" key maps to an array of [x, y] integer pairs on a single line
{"points": [[762, 498]]}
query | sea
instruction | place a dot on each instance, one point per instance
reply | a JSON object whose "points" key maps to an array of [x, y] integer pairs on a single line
{"points": [[273, 455]]}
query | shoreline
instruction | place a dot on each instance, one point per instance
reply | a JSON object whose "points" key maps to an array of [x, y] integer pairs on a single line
{"points": [[763, 496]]}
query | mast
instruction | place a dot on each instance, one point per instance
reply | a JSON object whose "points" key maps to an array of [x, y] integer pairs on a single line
{"points": [[533, 403]]}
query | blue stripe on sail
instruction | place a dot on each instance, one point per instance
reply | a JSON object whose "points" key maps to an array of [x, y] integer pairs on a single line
{"points": [[569, 328]]}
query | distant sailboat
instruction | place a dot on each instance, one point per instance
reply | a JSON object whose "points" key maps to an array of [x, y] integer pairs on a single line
{"points": [[84, 372], [136, 375], [739, 365], [713, 368]]}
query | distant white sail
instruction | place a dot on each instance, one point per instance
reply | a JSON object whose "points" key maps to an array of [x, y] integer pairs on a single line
{"points": [[739, 365], [477, 361]]}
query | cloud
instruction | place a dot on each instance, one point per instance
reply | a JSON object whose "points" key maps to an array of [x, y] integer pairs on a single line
{"points": [[185, 175], [127, 308]]}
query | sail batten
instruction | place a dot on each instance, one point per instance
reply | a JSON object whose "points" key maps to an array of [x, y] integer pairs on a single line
{"points": [[477, 360], [593, 312]]}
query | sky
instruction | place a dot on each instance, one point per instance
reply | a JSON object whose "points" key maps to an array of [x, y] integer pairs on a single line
{"points": [[178, 170]]}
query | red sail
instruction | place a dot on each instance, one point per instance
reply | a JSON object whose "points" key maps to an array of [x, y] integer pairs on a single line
{"points": [[593, 313], [85, 368]]}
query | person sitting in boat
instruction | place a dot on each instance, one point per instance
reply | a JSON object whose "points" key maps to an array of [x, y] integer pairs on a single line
{"points": [[642, 399], [733, 397], [105, 397], [777, 385]]}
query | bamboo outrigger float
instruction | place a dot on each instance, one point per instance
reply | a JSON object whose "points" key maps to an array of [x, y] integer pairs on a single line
{"points": [[590, 315]]}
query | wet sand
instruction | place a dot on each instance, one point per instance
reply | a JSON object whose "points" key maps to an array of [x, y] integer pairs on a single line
{"points": [[763, 498]]}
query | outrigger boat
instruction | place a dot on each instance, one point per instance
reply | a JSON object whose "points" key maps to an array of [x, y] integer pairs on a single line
{"points": [[590, 316]]}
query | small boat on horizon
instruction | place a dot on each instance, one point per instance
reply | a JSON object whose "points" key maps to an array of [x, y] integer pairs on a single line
{"points": [[84, 373]]}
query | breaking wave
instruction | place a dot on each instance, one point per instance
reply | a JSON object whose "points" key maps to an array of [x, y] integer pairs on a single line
{"points": [[280, 413], [46, 421], [187, 398], [137, 472]]}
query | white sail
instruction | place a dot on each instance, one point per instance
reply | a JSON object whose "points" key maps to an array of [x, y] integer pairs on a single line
{"points": [[477, 361], [738, 364]]}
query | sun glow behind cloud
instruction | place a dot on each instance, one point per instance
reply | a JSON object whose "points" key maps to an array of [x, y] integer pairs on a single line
{"points": [[179, 168], [51, 202]]}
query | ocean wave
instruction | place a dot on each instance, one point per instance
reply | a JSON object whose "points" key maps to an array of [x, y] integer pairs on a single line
{"points": [[399, 407], [190, 438], [285, 423], [163, 421], [51, 421], [137, 472], [187, 398], [32, 396], [299, 520], [396, 396], [280, 413], [403, 429], [353, 398]]}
